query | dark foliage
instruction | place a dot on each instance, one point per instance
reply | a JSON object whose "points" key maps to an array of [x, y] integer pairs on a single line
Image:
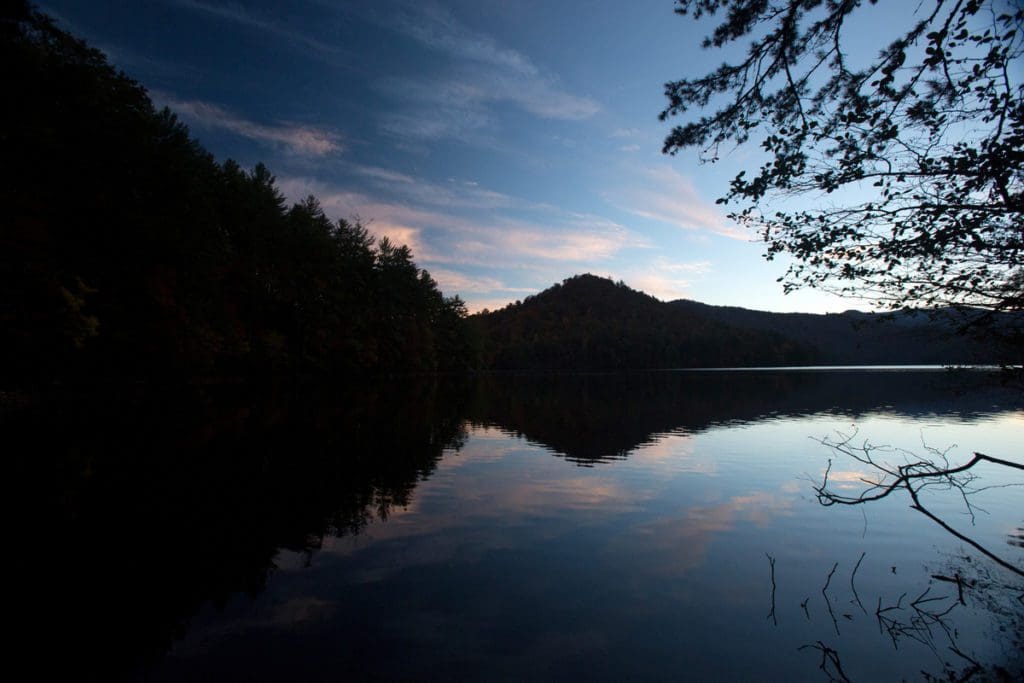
{"points": [[915, 149], [127, 251], [856, 338], [592, 323]]}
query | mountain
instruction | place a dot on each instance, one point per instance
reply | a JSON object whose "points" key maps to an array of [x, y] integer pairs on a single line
{"points": [[592, 323], [857, 338]]}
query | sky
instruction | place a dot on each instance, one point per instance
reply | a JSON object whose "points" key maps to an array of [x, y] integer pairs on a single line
{"points": [[509, 143]]}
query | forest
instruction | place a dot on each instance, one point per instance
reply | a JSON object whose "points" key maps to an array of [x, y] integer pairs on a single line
{"points": [[129, 252], [593, 323]]}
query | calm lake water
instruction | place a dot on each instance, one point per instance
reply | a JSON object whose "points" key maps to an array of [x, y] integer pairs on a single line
{"points": [[651, 526]]}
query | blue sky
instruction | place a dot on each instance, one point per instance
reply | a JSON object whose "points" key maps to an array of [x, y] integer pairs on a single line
{"points": [[509, 143]]}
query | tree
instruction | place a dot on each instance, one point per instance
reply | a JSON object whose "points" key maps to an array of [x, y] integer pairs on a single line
{"points": [[908, 164], [126, 250]]}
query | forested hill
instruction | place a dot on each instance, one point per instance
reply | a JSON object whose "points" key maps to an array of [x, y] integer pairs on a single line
{"points": [[857, 338], [588, 322], [126, 250]]}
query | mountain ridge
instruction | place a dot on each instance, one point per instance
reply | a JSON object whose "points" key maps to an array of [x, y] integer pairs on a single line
{"points": [[588, 322]]}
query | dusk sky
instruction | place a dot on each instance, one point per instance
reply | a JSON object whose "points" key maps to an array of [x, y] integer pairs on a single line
{"points": [[509, 143]]}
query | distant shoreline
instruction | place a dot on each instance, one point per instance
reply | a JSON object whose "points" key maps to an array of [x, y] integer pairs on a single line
{"points": [[826, 368]]}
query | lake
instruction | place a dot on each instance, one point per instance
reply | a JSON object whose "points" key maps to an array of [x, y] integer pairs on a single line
{"points": [[645, 526]]}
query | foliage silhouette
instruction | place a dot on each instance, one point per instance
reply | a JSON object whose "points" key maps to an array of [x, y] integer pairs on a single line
{"points": [[920, 144], [128, 251], [591, 323]]}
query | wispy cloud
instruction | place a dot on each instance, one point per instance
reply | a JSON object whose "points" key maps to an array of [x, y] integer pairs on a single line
{"points": [[664, 279], [445, 120], [629, 148], [455, 194], [483, 73], [668, 196], [555, 241], [434, 27], [455, 243], [495, 241], [454, 105], [237, 14], [625, 133], [296, 138], [453, 281]]}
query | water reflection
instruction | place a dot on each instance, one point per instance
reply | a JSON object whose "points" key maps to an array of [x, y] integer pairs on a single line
{"points": [[423, 531], [143, 508], [592, 418]]}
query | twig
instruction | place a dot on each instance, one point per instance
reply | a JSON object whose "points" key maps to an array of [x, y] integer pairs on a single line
{"points": [[853, 586], [913, 477], [771, 569], [977, 546], [828, 603], [829, 656]]}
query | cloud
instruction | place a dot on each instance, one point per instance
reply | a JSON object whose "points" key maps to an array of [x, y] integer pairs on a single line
{"points": [[459, 105], [436, 122], [573, 243], [664, 279], [483, 73], [298, 139], [670, 197], [452, 281], [455, 194], [435, 27], [629, 148], [454, 242], [440, 235], [237, 14], [671, 546], [625, 133]]}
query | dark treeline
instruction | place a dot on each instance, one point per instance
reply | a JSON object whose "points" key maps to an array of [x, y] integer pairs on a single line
{"points": [[127, 250], [908, 336], [592, 323], [589, 322]]}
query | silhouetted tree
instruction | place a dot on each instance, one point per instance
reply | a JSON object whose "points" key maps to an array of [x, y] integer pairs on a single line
{"points": [[127, 250], [920, 145]]}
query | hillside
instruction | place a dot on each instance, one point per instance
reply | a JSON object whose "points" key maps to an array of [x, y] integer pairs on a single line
{"points": [[129, 252], [592, 323], [857, 338]]}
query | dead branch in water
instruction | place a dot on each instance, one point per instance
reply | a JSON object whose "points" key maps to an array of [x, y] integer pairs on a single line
{"points": [[914, 476]]}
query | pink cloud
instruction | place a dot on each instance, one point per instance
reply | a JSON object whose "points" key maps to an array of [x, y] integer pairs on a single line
{"points": [[668, 196], [298, 139]]}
